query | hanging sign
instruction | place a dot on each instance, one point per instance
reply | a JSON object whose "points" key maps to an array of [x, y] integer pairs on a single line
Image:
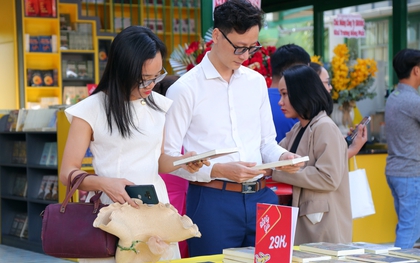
{"points": [[350, 26]]}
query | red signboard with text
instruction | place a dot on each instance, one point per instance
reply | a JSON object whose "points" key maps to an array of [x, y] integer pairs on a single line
{"points": [[275, 232]]}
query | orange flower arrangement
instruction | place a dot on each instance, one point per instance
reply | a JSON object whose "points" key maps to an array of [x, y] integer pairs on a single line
{"points": [[351, 82]]}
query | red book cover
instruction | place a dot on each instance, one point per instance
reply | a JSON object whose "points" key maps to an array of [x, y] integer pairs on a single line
{"points": [[275, 232], [31, 8], [47, 8]]}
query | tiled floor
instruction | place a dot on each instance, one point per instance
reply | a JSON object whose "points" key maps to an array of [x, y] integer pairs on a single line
{"points": [[16, 255]]}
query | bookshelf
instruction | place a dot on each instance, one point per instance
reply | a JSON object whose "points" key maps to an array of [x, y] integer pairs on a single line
{"points": [[175, 22], [81, 53], [24, 163]]}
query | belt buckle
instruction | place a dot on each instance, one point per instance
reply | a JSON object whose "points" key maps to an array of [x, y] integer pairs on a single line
{"points": [[249, 187]]}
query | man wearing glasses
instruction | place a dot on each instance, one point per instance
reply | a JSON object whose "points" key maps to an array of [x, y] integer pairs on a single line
{"points": [[221, 104]]}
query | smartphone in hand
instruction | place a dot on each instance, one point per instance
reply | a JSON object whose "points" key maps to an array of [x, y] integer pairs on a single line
{"points": [[350, 138], [146, 193]]}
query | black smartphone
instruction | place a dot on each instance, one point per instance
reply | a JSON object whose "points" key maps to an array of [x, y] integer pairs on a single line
{"points": [[350, 138], [146, 193]]}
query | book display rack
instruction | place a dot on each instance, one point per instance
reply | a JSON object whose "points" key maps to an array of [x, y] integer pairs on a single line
{"points": [[21, 176]]}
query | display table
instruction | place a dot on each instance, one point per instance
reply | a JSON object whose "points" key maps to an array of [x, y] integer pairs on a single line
{"points": [[202, 259]]}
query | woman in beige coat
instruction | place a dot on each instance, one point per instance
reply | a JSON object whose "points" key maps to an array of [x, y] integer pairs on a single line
{"points": [[321, 188]]}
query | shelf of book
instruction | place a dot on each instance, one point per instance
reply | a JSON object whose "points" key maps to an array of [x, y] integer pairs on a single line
{"points": [[21, 176], [175, 22]]}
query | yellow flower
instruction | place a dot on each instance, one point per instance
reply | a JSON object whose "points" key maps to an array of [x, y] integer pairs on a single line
{"points": [[316, 59], [351, 81]]}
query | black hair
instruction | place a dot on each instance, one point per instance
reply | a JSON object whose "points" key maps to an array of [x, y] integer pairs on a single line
{"points": [[287, 56], [306, 93], [237, 15], [130, 49], [163, 86], [317, 67], [404, 61]]}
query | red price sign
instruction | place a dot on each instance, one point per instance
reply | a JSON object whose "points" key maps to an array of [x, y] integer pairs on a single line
{"points": [[274, 233]]}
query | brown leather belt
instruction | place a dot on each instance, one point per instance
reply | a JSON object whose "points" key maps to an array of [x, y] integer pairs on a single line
{"points": [[245, 188]]}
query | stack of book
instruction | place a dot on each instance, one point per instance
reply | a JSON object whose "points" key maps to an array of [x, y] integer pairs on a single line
{"points": [[355, 252], [239, 255], [302, 256]]}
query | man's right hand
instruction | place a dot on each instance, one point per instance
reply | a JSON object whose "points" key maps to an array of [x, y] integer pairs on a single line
{"points": [[235, 171]]}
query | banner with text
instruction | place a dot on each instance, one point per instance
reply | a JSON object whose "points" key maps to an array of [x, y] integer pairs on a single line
{"points": [[350, 26], [275, 233]]}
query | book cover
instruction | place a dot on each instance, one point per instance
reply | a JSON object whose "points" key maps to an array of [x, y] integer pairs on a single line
{"points": [[54, 192], [52, 156], [206, 155], [47, 8], [45, 44], [48, 78], [34, 77], [302, 256], [43, 187], [37, 119], [275, 232], [17, 224], [33, 44], [49, 187], [21, 119], [45, 153], [240, 252], [281, 163], [408, 253], [331, 249], [19, 152], [374, 248], [12, 120], [31, 8], [379, 258], [20, 185], [24, 232]]}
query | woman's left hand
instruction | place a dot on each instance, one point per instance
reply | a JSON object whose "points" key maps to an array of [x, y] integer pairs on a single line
{"points": [[290, 168]]}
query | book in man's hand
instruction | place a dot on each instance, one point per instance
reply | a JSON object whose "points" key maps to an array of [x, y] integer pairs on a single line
{"points": [[281, 163], [331, 249], [206, 155]]}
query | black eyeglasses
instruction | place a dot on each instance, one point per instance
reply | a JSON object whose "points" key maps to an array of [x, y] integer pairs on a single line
{"points": [[146, 83], [241, 50]]}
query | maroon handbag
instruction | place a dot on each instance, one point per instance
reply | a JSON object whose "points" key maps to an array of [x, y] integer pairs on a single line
{"points": [[67, 228]]}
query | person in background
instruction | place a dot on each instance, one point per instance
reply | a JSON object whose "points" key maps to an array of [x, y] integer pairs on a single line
{"points": [[122, 123], [323, 74], [285, 57], [177, 187], [321, 188], [402, 127], [221, 104]]}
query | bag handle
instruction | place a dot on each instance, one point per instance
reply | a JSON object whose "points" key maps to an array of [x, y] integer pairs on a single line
{"points": [[354, 163], [72, 186]]}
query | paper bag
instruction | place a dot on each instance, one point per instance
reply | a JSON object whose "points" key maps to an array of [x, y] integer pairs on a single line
{"points": [[360, 194]]}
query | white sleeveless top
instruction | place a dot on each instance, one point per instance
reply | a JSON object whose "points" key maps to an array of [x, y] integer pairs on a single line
{"points": [[134, 158]]}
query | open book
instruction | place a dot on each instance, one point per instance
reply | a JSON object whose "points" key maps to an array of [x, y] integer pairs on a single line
{"points": [[207, 155], [281, 163]]}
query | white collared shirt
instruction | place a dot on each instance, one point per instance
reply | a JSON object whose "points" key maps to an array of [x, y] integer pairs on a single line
{"points": [[209, 113]]}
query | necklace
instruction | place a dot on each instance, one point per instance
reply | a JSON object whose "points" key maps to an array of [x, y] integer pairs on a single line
{"points": [[142, 101]]}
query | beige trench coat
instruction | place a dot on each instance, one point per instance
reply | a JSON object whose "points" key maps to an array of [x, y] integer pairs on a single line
{"points": [[322, 186]]}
